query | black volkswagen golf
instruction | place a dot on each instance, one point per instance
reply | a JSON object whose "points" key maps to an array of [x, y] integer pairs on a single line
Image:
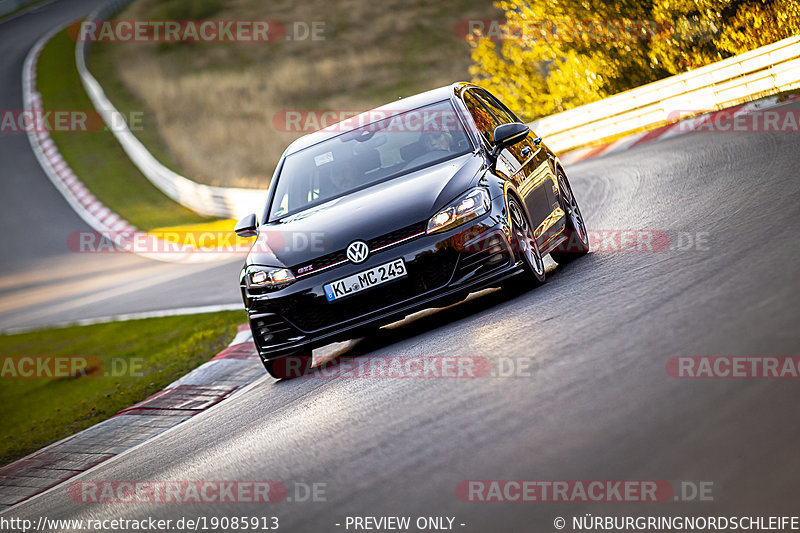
{"points": [[411, 205]]}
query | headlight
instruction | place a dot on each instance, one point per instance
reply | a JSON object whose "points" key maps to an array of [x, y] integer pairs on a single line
{"points": [[471, 205], [268, 277]]}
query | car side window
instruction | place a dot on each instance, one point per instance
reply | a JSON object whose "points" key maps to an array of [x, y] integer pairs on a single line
{"points": [[484, 119], [489, 114], [491, 103]]}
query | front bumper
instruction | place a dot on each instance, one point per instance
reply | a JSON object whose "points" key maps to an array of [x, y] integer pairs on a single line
{"points": [[445, 266]]}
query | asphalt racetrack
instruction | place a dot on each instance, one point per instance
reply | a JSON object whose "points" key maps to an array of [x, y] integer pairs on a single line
{"points": [[595, 403]]}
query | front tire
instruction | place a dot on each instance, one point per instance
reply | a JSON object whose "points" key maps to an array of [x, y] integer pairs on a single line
{"points": [[291, 366], [577, 243], [525, 247]]}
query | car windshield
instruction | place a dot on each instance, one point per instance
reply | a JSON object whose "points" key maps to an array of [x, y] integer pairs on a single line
{"points": [[387, 148]]}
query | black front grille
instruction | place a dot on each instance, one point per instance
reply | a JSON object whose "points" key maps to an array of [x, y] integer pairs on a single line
{"points": [[428, 272], [395, 236], [387, 239]]}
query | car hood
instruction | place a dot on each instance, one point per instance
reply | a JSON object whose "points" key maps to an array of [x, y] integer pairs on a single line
{"points": [[365, 214]]}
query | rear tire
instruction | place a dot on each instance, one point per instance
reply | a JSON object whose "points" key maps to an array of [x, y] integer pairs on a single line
{"points": [[291, 366], [577, 243], [525, 248]]}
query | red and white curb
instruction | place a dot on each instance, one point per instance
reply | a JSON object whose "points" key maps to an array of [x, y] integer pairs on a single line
{"points": [[697, 123], [229, 371], [98, 216]]}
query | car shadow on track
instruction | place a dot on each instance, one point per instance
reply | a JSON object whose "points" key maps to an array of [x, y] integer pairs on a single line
{"points": [[413, 325], [327, 359]]}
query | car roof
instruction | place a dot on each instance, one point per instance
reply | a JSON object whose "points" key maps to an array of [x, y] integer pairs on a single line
{"points": [[400, 105]]}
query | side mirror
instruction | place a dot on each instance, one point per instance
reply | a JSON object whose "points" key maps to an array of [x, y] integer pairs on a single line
{"points": [[506, 135], [247, 226]]}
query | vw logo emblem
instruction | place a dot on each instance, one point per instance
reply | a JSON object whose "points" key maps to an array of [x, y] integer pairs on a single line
{"points": [[358, 251]]}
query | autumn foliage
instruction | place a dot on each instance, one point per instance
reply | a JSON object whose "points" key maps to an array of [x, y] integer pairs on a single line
{"points": [[552, 56]]}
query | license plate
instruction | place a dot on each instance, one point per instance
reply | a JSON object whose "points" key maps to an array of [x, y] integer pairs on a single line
{"points": [[365, 280]]}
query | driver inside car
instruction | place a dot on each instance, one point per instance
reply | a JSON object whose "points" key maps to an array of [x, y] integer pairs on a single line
{"points": [[344, 177], [436, 141]]}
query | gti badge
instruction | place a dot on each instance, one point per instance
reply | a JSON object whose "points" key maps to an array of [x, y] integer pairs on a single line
{"points": [[358, 251]]}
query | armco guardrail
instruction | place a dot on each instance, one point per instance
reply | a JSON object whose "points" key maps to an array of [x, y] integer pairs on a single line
{"points": [[761, 72], [205, 199]]}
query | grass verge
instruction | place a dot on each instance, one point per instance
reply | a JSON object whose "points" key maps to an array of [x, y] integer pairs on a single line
{"points": [[119, 364], [96, 156]]}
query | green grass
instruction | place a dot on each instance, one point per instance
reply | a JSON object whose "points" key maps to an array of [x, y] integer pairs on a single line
{"points": [[96, 156], [35, 412]]}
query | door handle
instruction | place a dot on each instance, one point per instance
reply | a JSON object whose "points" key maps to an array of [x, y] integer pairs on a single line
{"points": [[526, 151], [537, 141]]}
